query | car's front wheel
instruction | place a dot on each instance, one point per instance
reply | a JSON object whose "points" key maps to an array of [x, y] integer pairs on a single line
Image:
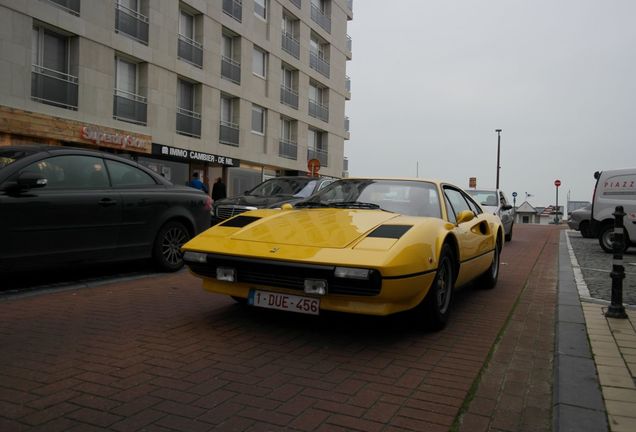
{"points": [[584, 229], [434, 310], [167, 248]]}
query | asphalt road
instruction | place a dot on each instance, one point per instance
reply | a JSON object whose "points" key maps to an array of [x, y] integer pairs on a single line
{"points": [[596, 265]]}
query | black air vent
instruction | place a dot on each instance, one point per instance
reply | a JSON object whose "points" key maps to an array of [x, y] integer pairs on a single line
{"points": [[390, 231], [239, 221]]}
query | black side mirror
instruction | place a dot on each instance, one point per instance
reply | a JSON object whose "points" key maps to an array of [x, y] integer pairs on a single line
{"points": [[506, 207]]}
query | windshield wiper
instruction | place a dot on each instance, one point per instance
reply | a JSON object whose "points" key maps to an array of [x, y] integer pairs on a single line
{"points": [[355, 204], [311, 204]]}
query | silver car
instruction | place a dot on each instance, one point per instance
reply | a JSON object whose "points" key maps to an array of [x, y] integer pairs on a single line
{"points": [[495, 202], [579, 220]]}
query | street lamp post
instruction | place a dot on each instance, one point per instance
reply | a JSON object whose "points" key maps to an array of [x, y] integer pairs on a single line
{"points": [[498, 151]]}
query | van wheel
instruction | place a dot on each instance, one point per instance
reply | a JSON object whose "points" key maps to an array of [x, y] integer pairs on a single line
{"points": [[606, 235], [167, 248]]}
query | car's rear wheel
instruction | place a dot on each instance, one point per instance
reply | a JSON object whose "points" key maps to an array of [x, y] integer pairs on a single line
{"points": [[167, 248], [489, 279], [434, 310]]}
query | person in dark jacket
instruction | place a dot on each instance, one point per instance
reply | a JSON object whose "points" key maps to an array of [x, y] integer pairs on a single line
{"points": [[218, 189]]}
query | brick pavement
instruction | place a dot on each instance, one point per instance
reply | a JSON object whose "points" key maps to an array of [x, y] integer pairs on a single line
{"points": [[161, 354]]}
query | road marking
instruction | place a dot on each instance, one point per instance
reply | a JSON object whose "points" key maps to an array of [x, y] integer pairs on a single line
{"points": [[578, 275]]}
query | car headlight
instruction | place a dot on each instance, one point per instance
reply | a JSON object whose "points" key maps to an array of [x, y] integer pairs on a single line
{"points": [[196, 257], [352, 273]]}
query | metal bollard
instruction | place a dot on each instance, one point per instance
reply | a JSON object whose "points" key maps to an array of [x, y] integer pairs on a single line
{"points": [[616, 309]]}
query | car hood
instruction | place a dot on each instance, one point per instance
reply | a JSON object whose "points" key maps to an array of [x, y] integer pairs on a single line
{"points": [[256, 200], [320, 228]]}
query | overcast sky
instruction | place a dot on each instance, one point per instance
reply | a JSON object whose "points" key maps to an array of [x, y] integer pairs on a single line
{"points": [[431, 80]]}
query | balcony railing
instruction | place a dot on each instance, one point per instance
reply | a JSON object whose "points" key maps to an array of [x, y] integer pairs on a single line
{"points": [[131, 23], [321, 155], [348, 83], [318, 110], [70, 6], [320, 18], [229, 133], [287, 149], [54, 88], [291, 44], [346, 124], [296, 3], [319, 64], [349, 46], [190, 51], [289, 96], [231, 69], [130, 107], [188, 123], [345, 164], [233, 8]]}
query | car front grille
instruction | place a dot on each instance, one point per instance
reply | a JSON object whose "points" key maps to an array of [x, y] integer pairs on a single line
{"points": [[225, 212], [288, 275]]}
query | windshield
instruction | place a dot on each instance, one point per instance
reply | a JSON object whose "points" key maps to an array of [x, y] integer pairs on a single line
{"points": [[413, 198], [299, 187], [484, 197], [8, 156]]}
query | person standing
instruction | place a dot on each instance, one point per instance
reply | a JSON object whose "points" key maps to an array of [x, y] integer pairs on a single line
{"points": [[218, 190], [197, 183]]}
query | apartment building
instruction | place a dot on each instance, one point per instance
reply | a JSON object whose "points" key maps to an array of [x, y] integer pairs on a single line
{"points": [[239, 89]]}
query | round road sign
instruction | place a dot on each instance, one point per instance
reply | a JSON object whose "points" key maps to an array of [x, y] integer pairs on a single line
{"points": [[557, 183], [313, 165], [514, 194]]}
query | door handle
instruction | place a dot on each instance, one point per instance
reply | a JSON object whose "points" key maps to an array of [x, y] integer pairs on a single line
{"points": [[107, 202]]}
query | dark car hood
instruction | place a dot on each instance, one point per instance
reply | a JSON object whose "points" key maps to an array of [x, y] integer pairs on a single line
{"points": [[256, 200]]}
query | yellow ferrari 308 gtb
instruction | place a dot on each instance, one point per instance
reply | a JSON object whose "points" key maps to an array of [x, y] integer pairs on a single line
{"points": [[366, 246]]}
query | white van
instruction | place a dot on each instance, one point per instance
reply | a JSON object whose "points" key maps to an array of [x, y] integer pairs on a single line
{"points": [[614, 188]]}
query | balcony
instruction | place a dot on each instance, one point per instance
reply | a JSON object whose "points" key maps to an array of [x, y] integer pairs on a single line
{"points": [[287, 149], [233, 8], [291, 45], [131, 23], [70, 6], [320, 18], [318, 110], [54, 88], [347, 87], [346, 124], [130, 107], [319, 64], [229, 133], [321, 155], [349, 47], [230, 69], [289, 96], [296, 3], [190, 51], [188, 123]]}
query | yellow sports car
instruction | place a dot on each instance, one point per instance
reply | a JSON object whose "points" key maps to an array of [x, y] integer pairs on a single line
{"points": [[367, 246]]}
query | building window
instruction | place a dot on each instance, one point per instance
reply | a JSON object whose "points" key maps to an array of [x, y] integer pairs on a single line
{"points": [[189, 48], [258, 119], [259, 62], [317, 146], [289, 87], [229, 128], [70, 6], [288, 145], [260, 8], [290, 35], [53, 80], [319, 55], [128, 104], [188, 115], [231, 53], [130, 21], [318, 101], [321, 13]]}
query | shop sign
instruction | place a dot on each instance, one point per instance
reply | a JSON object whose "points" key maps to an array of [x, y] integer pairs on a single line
{"points": [[192, 155], [110, 138]]}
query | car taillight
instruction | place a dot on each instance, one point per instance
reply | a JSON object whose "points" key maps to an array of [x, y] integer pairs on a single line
{"points": [[208, 203]]}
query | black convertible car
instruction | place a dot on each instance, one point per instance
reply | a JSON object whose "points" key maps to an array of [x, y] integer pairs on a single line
{"points": [[63, 206]]}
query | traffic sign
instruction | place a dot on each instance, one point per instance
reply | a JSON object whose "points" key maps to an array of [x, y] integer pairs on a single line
{"points": [[514, 194], [557, 183], [313, 165]]}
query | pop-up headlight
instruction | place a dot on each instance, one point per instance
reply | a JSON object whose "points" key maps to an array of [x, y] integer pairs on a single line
{"points": [[352, 273]]}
